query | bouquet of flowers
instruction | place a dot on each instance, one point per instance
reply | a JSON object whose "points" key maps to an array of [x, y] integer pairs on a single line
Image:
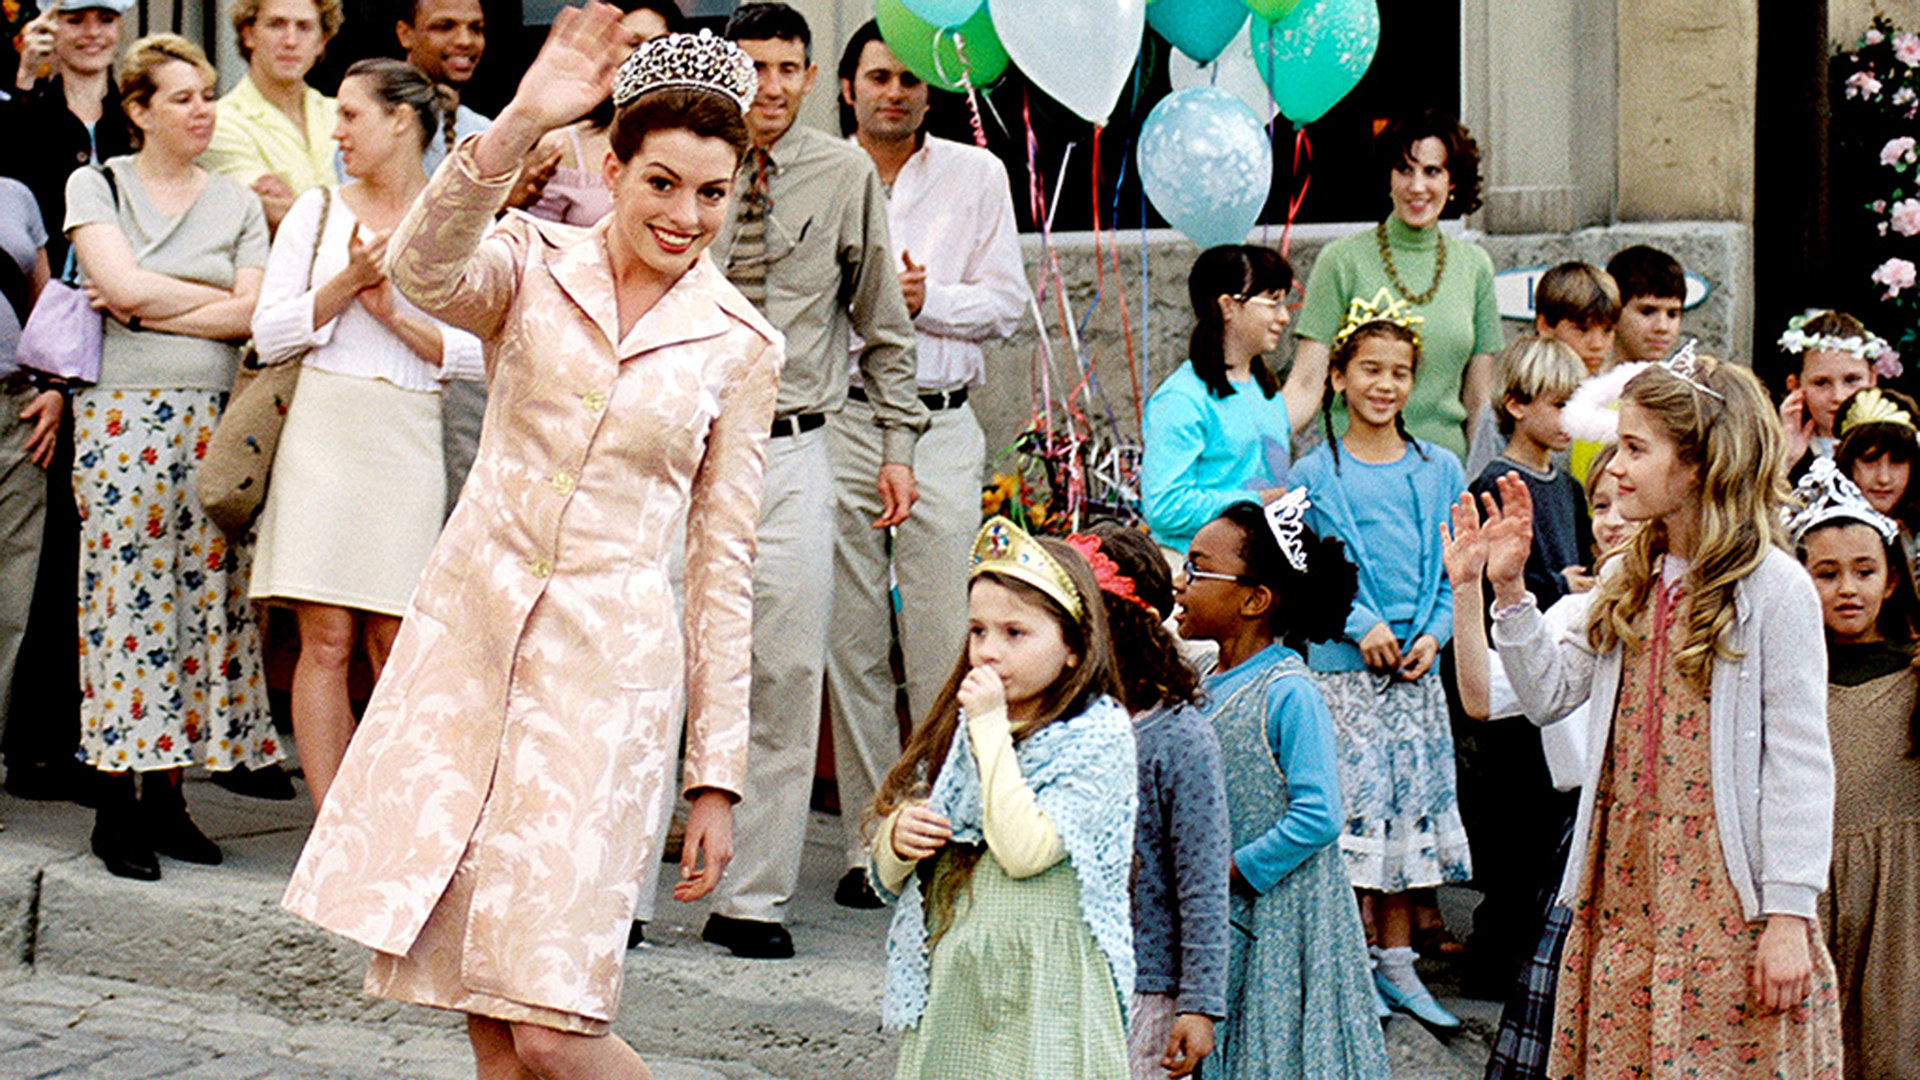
{"points": [[1876, 118]]}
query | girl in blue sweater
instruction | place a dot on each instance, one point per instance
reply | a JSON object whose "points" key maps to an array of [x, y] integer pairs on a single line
{"points": [[1216, 429], [1299, 1001], [1384, 494]]}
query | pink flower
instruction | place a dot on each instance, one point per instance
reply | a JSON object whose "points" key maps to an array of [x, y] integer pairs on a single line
{"points": [[1888, 365], [1862, 84], [1897, 275], [1905, 217], [1879, 206], [1906, 48], [1903, 96], [1897, 150], [1875, 37]]}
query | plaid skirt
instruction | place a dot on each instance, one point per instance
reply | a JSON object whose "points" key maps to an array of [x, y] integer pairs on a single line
{"points": [[1526, 1024]]}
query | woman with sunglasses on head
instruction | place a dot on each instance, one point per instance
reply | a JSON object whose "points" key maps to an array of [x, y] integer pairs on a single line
{"points": [[1216, 429]]}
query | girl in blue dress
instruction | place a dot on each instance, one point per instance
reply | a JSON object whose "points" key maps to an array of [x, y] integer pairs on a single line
{"points": [[1260, 584], [1384, 494]]}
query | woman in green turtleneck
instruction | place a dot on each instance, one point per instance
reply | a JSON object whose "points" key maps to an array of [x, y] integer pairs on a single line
{"points": [[1432, 165]]}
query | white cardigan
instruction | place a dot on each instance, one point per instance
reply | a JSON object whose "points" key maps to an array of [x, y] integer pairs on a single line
{"points": [[1772, 768]]}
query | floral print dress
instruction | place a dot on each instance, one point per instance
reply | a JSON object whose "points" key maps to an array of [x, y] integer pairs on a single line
{"points": [[1654, 977], [170, 664]]}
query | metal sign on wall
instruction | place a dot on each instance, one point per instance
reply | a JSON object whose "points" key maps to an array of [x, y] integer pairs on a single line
{"points": [[1513, 291]]}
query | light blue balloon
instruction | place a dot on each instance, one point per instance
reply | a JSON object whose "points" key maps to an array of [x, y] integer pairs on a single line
{"points": [[1206, 163], [1199, 28], [1316, 55], [943, 13]]}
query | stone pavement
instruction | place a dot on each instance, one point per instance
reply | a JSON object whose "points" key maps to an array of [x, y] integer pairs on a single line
{"points": [[201, 975]]}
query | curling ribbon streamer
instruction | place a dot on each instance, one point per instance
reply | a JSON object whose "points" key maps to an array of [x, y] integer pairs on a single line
{"points": [[1301, 179]]}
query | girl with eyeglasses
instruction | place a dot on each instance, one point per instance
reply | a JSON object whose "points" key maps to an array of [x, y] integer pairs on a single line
{"points": [[1216, 430]]}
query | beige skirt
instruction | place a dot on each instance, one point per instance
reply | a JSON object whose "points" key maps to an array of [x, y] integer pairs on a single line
{"points": [[354, 504]]}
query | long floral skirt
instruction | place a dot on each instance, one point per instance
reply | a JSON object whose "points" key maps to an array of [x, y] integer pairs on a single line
{"points": [[170, 662], [1402, 807]]}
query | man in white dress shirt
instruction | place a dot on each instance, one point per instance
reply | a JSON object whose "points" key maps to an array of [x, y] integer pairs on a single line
{"points": [[957, 251]]}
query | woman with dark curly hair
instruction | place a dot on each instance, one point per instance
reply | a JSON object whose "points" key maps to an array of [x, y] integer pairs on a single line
{"points": [[1433, 167]]}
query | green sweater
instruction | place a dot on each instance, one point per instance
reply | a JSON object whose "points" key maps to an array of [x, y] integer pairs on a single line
{"points": [[1461, 321]]}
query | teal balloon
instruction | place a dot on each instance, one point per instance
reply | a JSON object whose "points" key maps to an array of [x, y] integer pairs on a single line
{"points": [[1316, 55], [1206, 163], [1199, 28], [944, 13]]}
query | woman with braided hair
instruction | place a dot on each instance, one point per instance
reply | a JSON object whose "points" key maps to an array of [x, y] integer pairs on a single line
{"points": [[487, 828]]}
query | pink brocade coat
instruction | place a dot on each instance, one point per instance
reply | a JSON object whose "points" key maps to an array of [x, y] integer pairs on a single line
{"points": [[521, 731]]}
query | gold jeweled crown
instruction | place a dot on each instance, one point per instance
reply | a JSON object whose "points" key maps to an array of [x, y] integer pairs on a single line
{"points": [[1870, 406], [1382, 308], [1005, 548], [688, 61]]}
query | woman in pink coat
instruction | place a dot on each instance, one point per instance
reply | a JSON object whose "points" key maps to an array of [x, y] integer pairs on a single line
{"points": [[489, 824]]}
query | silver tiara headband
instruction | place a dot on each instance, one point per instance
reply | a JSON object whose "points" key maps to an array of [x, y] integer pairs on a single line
{"points": [[1684, 364], [1286, 517], [687, 62], [1826, 496]]}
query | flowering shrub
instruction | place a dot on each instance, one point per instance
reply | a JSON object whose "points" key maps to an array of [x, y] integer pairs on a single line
{"points": [[1876, 111]]}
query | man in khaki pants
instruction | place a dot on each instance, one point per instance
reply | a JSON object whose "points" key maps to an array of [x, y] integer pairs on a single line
{"points": [[957, 254]]}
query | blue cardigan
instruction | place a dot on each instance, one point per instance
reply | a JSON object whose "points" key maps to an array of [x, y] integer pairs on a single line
{"points": [[1402, 580], [1204, 453]]}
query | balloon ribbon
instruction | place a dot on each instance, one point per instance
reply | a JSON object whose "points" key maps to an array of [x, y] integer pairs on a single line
{"points": [[1302, 177]]}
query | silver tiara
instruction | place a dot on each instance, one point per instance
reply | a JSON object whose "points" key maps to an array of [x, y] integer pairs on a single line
{"points": [[1825, 495], [1685, 365], [690, 62], [1286, 517]]}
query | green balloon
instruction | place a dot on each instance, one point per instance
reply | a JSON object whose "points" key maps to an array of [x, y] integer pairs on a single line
{"points": [[1273, 10], [932, 53]]}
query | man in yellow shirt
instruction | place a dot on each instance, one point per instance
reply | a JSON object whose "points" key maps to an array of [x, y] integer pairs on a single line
{"points": [[275, 132]]}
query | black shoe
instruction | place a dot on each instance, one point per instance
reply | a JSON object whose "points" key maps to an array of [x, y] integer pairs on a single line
{"points": [[268, 782], [854, 892], [751, 939], [637, 934], [118, 836], [56, 781], [170, 829]]}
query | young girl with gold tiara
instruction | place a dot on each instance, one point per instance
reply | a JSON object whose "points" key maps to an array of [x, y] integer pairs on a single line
{"points": [[1702, 840], [1005, 836]]}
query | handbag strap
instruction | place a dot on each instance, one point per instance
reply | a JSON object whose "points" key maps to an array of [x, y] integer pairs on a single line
{"points": [[71, 272], [319, 234]]}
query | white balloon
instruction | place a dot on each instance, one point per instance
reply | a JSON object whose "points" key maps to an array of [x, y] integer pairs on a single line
{"points": [[1079, 52], [1233, 72]]}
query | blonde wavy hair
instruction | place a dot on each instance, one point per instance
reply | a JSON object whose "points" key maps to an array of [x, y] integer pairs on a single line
{"points": [[1738, 457]]}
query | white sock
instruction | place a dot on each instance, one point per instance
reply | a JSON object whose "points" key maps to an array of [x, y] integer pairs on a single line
{"points": [[1396, 965]]}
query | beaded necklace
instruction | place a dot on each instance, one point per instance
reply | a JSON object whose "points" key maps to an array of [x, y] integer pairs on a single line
{"points": [[1393, 275]]}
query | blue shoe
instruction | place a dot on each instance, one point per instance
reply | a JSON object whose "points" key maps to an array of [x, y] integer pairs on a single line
{"points": [[1420, 1005], [1381, 1010]]}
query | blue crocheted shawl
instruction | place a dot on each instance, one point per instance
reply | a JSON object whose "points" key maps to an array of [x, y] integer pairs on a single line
{"points": [[1082, 774]]}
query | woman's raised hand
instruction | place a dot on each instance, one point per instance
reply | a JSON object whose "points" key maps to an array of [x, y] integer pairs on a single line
{"points": [[1509, 536], [575, 67]]}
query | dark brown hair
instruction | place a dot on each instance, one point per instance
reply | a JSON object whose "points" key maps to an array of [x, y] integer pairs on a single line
{"points": [[1233, 270], [1394, 147], [703, 112], [396, 83], [1579, 293], [1871, 442], [1151, 671], [1338, 359]]}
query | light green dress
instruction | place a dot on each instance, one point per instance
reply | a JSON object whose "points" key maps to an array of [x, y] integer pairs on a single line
{"points": [[1016, 986]]}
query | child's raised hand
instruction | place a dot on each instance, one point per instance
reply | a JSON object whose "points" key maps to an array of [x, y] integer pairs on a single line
{"points": [[1379, 649], [1418, 658], [1189, 1043], [1509, 537], [919, 832], [1797, 424], [981, 691], [1462, 549]]}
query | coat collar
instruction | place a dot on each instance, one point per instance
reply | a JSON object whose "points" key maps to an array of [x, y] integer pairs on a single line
{"points": [[700, 305]]}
